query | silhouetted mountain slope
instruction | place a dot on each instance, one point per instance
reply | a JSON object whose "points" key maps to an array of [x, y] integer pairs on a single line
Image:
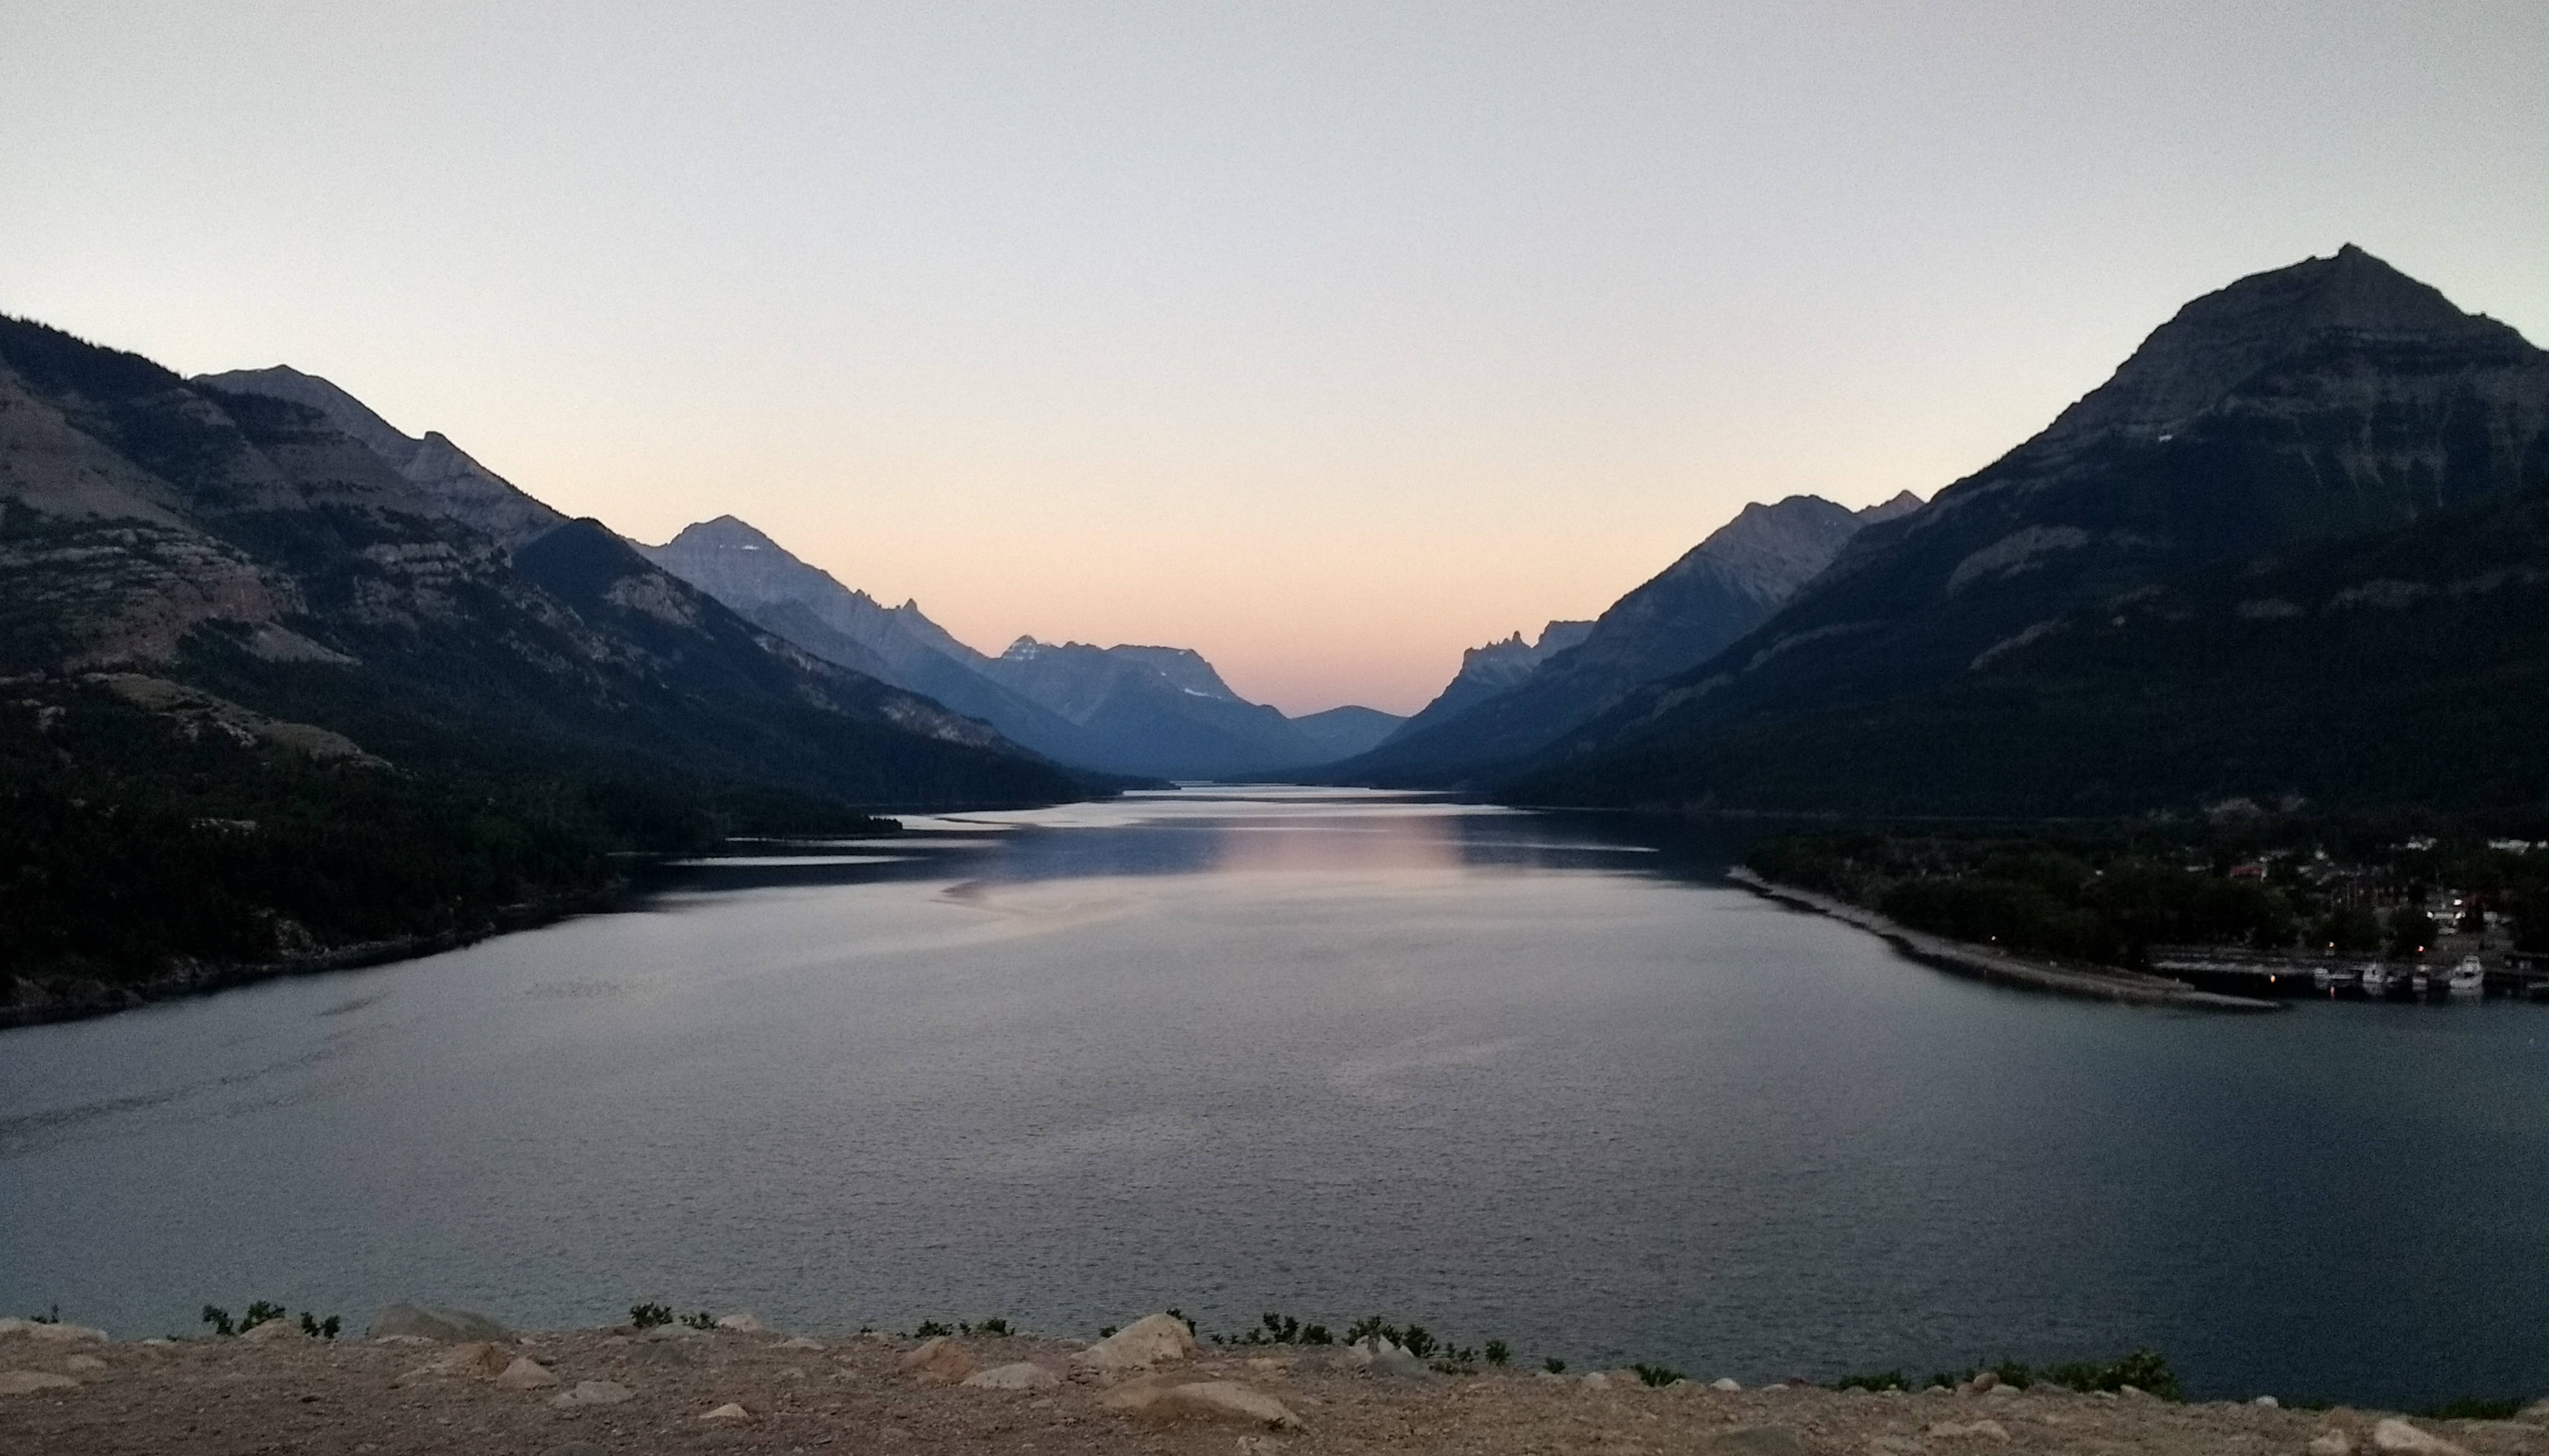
{"points": [[2333, 399], [1341, 732], [1717, 592], [466, 491]]}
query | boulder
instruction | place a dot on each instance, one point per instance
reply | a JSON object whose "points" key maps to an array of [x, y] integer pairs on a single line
{"points": [[524, 1374], [1025, 1375], [941, 1359], [2269, 1402], [28, 1382], [1227, 1401], [477, 1360], [1757, 1440], [1150, 1341], [1983, 1384], [741, 1323], [1597, 1381], [592, 1393], [2395, 1435], [50, 1330], [2536, 1411], [2331, 1443], [267, 1331], [444, 1327], [730, 1410], [1724, 1382]]}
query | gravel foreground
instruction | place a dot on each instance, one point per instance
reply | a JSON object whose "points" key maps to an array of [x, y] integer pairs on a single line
{"points": [[583, 1392]]}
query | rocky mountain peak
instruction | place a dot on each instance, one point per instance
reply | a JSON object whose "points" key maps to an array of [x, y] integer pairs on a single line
{"points": [[2226, 338]]}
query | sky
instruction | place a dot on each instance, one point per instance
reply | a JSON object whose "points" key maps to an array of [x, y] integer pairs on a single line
{"points": [[1328, 339]]}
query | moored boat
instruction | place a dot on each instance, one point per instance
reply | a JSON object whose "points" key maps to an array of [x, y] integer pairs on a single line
{"points": [[2469, 979], [2376, 980]]}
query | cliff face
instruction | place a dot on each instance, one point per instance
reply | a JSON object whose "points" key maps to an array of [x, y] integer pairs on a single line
{"points": [[2330, 401]]}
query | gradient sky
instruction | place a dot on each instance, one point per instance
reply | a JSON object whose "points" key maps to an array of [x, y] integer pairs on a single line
{"points": [[1328, 339]]}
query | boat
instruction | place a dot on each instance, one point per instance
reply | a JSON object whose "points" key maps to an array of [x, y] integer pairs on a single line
{"points": [[2469, 979], [2376, 980], [2419, 982], [2329, 977]]}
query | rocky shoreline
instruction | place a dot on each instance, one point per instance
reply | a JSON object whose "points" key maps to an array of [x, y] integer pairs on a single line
{"points": [[436, 1381], [1986, 963]]}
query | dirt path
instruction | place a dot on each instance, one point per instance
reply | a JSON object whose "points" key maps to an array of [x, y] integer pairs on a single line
{"points": [[357, 1397]]}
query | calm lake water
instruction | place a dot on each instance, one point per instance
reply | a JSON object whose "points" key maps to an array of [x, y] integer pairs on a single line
{"points": [[1328, 1054]]}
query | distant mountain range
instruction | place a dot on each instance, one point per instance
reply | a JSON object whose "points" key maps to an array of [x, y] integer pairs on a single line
{"points": [[1156, 712], [2292, 554], [1510, 700]]}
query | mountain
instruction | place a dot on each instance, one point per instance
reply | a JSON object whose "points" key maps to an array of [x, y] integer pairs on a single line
{"points": [[1145, 711], [1155, 710], [755, 575], [1510, 702], [221, 609], [1339, 733], [463, 488], [2026, 642]]}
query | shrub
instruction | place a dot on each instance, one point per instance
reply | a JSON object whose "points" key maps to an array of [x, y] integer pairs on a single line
{"points": [[1882, 1380], [647, 1317], [2476, 1408], [258, 1314], [1554, 1365], [991, 1326], [1498, 1352], [1657, 1375], [700, 1320], [321, 1329], [219, 1319], [932, 1329]]}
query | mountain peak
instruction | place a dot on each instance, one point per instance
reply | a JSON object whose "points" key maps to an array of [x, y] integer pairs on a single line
{"points": [[2226, 337], [723, 533]]}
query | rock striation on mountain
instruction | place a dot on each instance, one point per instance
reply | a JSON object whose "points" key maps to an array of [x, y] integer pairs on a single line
{"points": [[1998, 650]]}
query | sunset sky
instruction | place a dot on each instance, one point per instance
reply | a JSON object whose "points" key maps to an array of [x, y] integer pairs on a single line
{"points": [[1327, 339]]}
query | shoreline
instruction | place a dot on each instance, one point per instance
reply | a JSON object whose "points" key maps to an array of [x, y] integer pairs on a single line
{"points": [[32, 1002], [1983, 963]]}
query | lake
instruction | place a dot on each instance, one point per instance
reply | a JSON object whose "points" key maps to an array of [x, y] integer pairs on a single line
{"points": [[1333, 1053]]}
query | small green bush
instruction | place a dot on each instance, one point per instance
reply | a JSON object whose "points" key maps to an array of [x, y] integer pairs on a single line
{"points": [[1882, 1380], [1498, 1352], [930, 1330], [1554, 1365], [219, 1319], [700, 1320], [1657, 1375], [647, 1317], [2476, 1408], [989, 1326]]}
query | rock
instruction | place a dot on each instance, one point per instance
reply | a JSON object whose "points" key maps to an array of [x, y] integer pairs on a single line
{"points": [[83, 1364], [2002, 1390], [2394, 1435], [1982, 1384], [1724, 1382], [1392, 1362], [1597, 1381], [1025, 1375], [28, 1382], [1986, 1429], [592, 1393], [524, 1374], [443, 1327], [728, 1411], [1258, 1447], [477, 1360], [941, 1359], [2331, 1443], [2269, 1402], [271, 1330], [799, 1343], [1156, 1397], [1150, 1341], [47, 1331], [1757, 1440], [741, 1323]]}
